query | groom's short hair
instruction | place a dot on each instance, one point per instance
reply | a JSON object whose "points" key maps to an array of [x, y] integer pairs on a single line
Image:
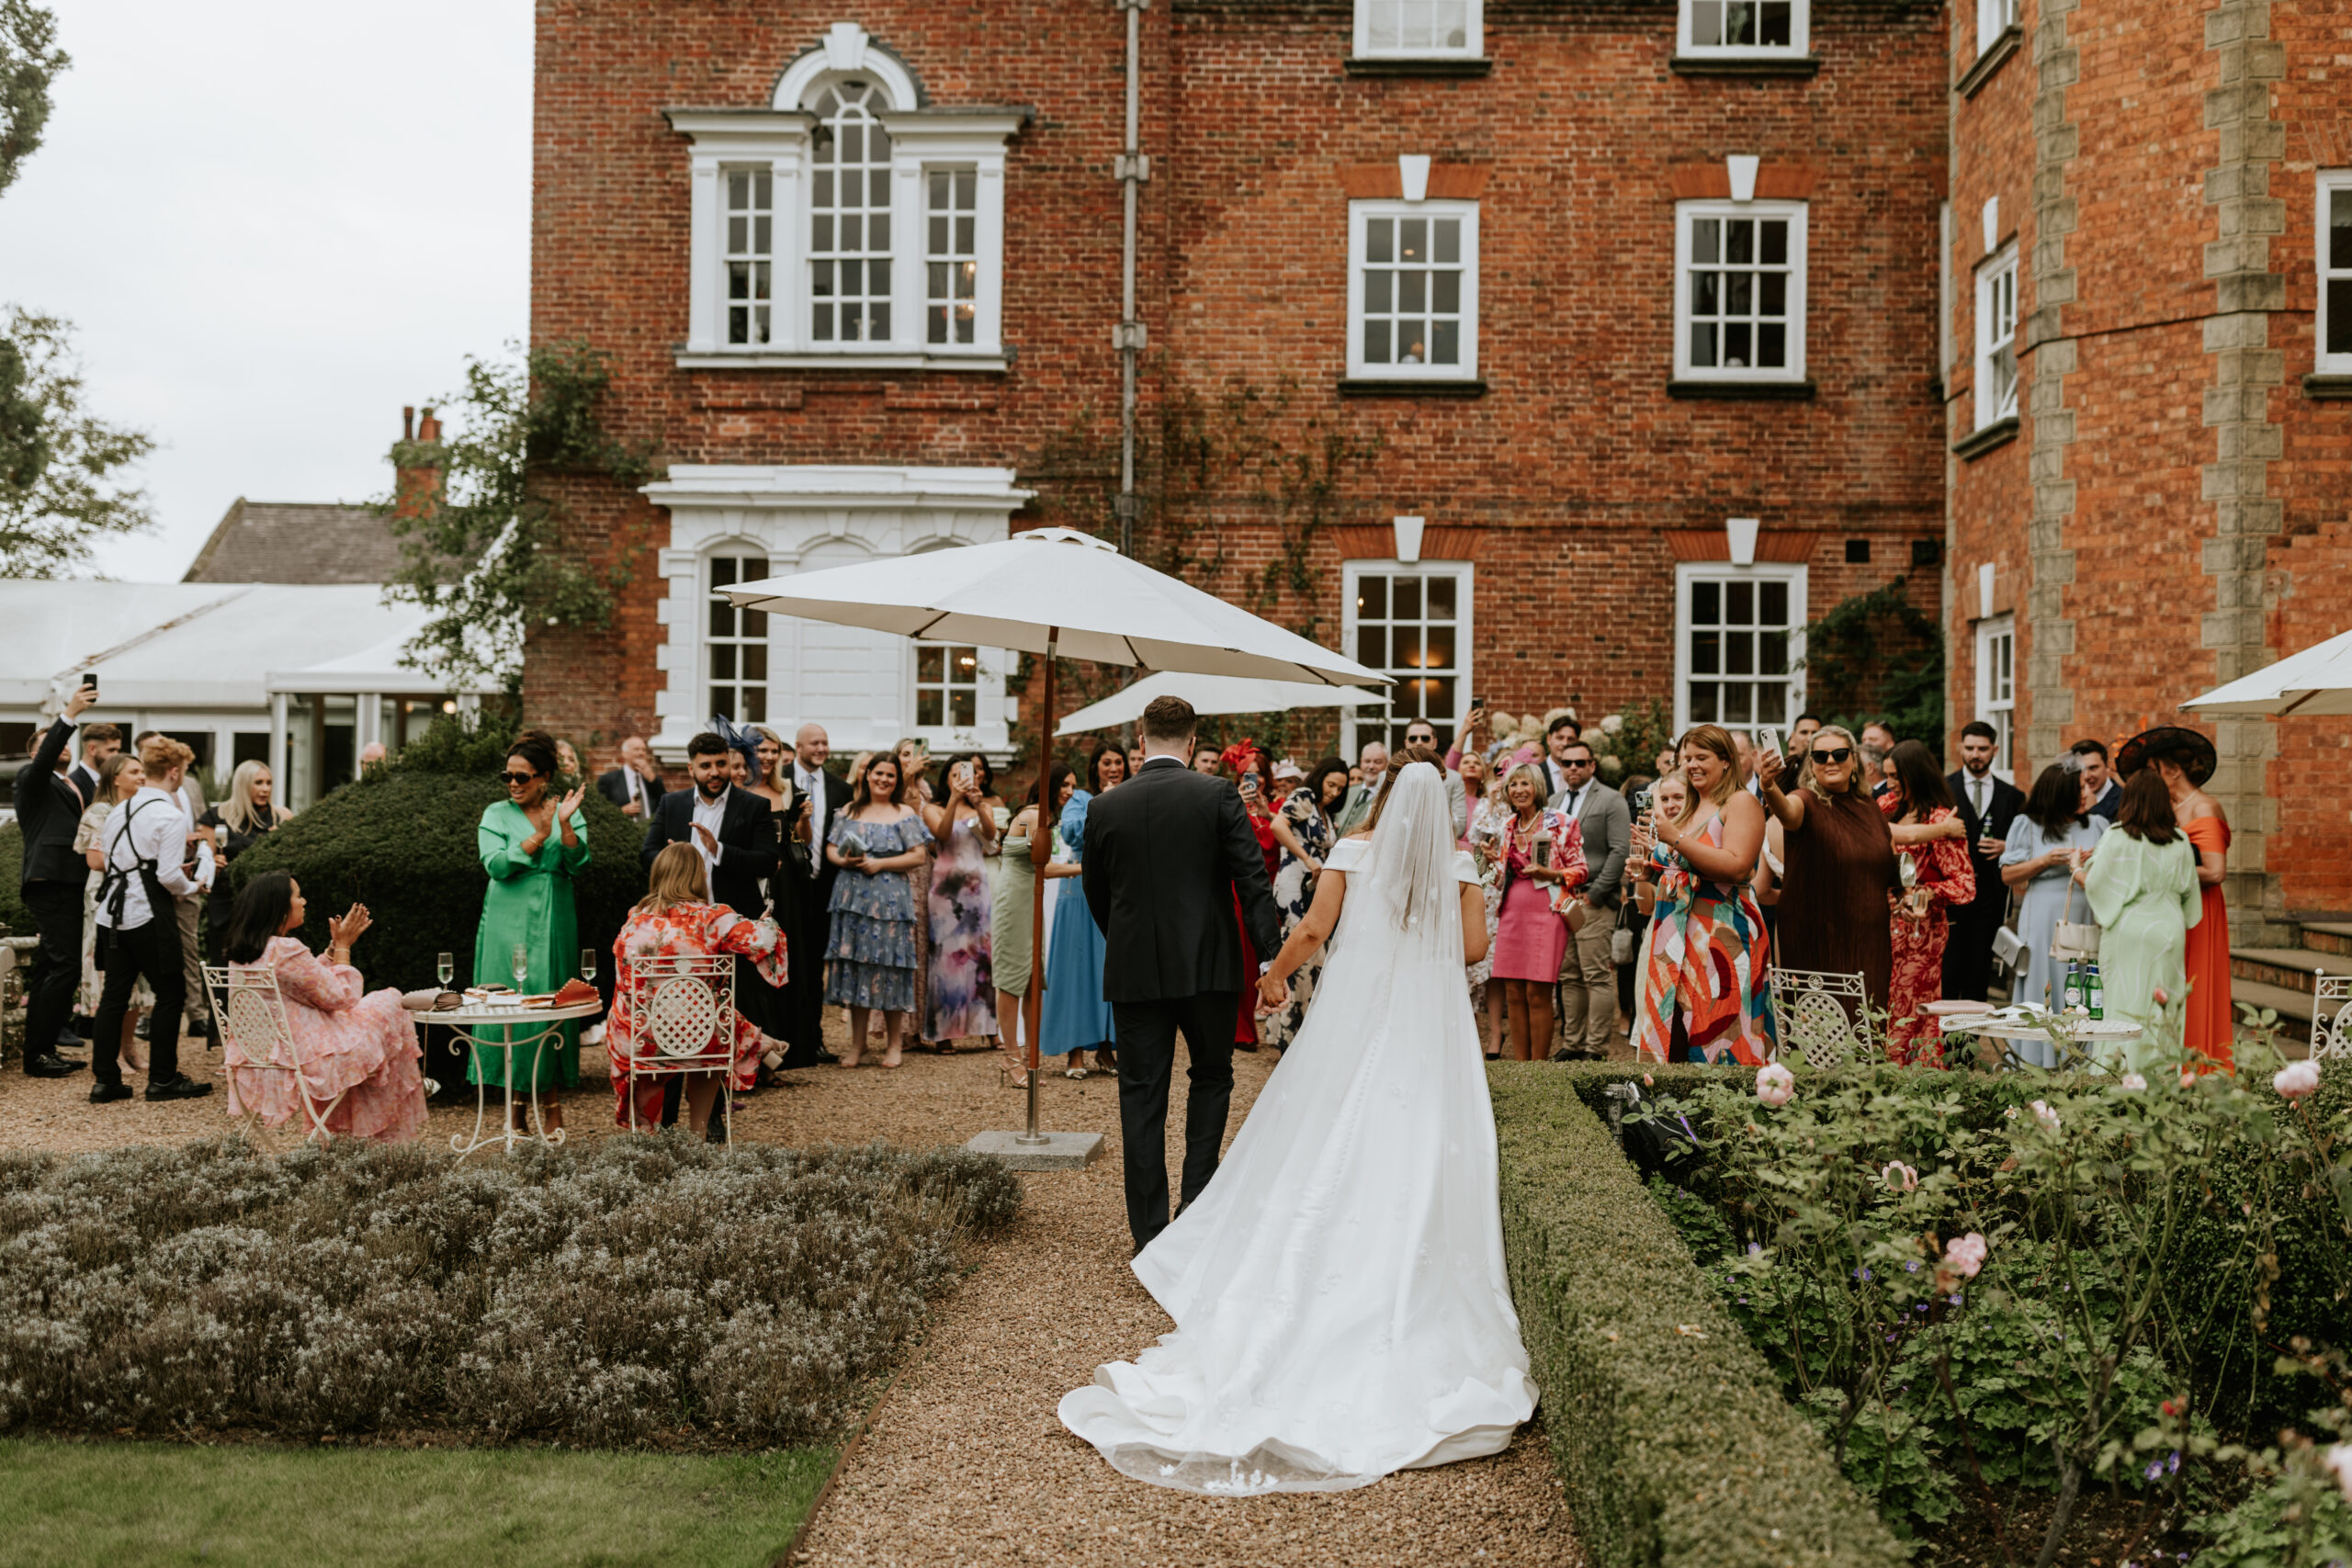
{"points": [[1167, 719]]}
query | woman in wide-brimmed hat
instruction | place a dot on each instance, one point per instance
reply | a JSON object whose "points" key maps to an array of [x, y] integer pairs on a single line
{"points": [[2185, 761]]}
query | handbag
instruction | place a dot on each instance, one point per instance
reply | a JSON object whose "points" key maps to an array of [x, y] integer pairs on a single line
{"points": [[2007, 948], [2074, 940]]}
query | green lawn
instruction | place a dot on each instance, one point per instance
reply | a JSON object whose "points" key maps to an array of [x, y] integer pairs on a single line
{"points": [[161, 1505]]}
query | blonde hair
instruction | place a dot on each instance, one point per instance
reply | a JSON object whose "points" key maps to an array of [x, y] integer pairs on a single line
{"points": [[779, 778], [1855, 783], [237, 811], [1535, 777], [1711, 738], [675, 878]]}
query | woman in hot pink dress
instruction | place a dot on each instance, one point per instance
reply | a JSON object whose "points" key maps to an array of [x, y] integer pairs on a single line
{"points": [[359, 1045], [1530, 928], [676, 920], [1917, 801]]}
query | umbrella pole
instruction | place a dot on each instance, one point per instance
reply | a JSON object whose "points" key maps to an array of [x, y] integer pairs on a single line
{"points": [[1041, 840]]}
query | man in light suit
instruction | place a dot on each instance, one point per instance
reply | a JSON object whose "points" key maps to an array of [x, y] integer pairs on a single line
{"points": [[1587, 978], [1987, 806]]}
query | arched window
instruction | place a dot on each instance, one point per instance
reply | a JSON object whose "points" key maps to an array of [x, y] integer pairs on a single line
{"points": [[849, 217]]}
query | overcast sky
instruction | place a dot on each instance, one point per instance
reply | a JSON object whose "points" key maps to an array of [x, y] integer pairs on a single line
{"points": [[272, 223]]}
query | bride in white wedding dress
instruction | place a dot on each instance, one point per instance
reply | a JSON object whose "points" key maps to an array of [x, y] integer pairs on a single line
{"points": [[1339, 1293]]}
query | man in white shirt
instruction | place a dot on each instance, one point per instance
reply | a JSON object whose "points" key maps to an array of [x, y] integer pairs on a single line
{"points": [[635, 785], [1561, 733], [1372, 762], [822, 796], [151, 861]]}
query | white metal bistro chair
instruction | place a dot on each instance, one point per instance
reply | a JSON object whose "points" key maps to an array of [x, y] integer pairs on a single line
{"points": [[1822, 1016], [2331, 1017], [252, 1011], [685, 1008]]}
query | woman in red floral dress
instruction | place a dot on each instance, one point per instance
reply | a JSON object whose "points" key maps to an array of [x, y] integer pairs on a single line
{"points": [[676, 920], [1931, 847]]}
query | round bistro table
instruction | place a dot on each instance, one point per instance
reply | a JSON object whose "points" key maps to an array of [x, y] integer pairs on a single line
{"points": [[535, 1026]]}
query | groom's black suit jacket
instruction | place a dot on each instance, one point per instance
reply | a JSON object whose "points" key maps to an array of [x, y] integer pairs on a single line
{"points": [[1165, 853]]}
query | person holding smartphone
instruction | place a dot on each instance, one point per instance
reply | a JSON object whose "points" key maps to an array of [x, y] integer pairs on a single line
{"points": [[960, 998]]}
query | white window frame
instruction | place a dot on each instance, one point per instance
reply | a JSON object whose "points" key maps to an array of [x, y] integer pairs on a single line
{"points": [[987, 680], [1355, 731], [1687, 213], [2325, 184], [1994, 17], [778, 138], [1995, 705], [1359, 215], [737, 551], [1685, 573], [1997, 274], [1800, 37], [1473, 33]]}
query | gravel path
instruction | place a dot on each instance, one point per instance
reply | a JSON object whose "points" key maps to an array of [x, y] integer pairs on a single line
{"points": [[966, 1461]]}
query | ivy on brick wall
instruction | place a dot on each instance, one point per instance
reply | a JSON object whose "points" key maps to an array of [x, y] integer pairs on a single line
{"points": [[482, 544], [1878, 656]]}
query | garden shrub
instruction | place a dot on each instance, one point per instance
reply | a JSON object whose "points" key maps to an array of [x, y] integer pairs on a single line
{"points": [[1668, 1429], [611, 1293], [13, 913]]}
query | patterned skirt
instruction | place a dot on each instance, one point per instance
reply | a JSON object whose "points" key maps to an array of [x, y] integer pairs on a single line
{"points": [[872, 963], [1710, 964]]}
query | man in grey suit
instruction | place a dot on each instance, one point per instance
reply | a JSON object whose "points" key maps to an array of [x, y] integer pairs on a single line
{"points": [[1587, 979]]}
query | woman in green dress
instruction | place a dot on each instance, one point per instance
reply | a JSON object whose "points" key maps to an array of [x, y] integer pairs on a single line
{"points": [[532, 846], [2144, 894]]}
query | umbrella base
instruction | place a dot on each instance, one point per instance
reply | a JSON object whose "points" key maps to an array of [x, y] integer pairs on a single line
{"points": [[1060, 1151]]}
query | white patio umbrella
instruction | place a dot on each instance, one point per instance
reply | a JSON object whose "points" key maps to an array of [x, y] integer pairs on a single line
{"points": [[1063, 594], [2316, 682], [1212, 694]]}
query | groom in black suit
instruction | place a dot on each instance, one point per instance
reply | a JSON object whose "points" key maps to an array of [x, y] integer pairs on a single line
{"points": [[1166, 852]]}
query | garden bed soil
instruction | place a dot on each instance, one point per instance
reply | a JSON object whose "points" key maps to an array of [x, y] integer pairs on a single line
{"points": [[2106, 1531]]}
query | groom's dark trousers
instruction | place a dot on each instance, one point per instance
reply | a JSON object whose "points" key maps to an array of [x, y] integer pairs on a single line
{"points": [[1166, 854]]}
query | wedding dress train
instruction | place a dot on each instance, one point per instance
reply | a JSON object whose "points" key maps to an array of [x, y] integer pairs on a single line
{"points": [[1340, 1306]]}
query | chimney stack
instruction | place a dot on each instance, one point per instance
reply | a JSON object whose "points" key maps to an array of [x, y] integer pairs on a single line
{"points": [[417, 463]]}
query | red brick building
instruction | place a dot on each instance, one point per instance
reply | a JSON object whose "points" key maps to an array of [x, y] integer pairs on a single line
{"points": [[1549, 352], [2149, 259]]}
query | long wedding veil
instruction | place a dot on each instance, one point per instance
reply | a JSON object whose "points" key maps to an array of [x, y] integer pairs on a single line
{"points": [[1409, 869]]}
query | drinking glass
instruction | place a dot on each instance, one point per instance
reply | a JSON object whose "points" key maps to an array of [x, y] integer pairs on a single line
{"points": [[588, 964], [522, 964], [444, 966]]}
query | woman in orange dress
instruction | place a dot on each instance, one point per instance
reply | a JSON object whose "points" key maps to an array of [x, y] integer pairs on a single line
{"points": [[2185, 761]]}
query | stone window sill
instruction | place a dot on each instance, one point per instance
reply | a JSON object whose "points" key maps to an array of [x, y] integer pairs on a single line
{"points": [[1387, 66], [1409, 386], [1747, 66], [2327, 388], [1995, 53], [2000, 433], [1779, 392], [991, 364]]}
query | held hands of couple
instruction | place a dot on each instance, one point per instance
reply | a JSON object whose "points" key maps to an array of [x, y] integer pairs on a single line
{"points": [[1274, 993]]}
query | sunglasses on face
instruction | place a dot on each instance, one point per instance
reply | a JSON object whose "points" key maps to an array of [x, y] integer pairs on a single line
{"points": [[519, 778], [1833, 753]]}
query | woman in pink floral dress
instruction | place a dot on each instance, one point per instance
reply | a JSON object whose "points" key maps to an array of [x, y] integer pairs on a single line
{"points": [[676, 920], [359, 1045], [1936, 874]]}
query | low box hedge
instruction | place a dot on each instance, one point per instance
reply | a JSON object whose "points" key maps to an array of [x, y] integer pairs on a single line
{"points": [[1668, 1428]]}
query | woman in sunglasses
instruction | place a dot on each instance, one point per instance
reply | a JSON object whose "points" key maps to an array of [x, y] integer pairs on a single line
{"points": [[1839, 865], [533, 844]]}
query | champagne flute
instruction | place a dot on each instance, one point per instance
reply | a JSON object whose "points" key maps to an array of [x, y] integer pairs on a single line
{"points": [[588, 965], [522, 964], [444, 966]]}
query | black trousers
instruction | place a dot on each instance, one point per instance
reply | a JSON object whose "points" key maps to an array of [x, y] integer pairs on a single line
{"points": [[57, 965], [1146, 1033], [153, 949], [1968, 951]]}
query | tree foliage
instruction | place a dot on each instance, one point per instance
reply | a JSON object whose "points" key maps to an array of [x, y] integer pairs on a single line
{"points": [[1877, 655], [29, 62], [60, 488], [485, 551]]}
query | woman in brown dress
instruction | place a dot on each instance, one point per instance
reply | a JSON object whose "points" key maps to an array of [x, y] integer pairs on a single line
{"points": [[1839, 867]]}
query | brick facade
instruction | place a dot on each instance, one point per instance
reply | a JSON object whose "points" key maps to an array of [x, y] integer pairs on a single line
{"points": [[1560, 482], [2170, 513]]}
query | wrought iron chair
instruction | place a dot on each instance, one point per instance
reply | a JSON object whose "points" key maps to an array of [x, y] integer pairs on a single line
{"points": [[1824, 1017], [252, 1013], [685, 1009], [2331, 1017]]}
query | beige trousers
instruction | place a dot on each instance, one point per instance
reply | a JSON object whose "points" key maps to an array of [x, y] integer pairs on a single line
{"points": [[1588, 986], [191, 918]]}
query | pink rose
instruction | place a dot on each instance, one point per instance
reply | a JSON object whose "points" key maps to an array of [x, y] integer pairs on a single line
{"points": [[1910, 1178], [1966, 1253], [1775, 1085], [2134, 1082], [2043, 1114], [2158, 994], [2297, 1080]]}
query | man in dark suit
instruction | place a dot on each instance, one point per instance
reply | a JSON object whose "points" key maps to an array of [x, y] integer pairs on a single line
{"points": [[48, 810], [98, 742], [727, 825], [1166, 852], [2106, 795], [636, 786], [1987, 806], [818, 798]]}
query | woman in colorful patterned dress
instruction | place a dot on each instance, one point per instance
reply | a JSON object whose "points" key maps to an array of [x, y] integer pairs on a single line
{"points": [[961, 998], [676, 920], [1706, 979], [1303, 829], [360, 1045], [1540, 857], [914, 768], [876, 842], [1916, 797]]}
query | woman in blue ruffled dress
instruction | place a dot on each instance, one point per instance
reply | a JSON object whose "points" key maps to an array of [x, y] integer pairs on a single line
{"points": [[1077, 1018], [876, 842]]}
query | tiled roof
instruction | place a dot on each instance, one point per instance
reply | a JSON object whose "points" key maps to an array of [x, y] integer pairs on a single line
{"points": [[278, 541]]}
